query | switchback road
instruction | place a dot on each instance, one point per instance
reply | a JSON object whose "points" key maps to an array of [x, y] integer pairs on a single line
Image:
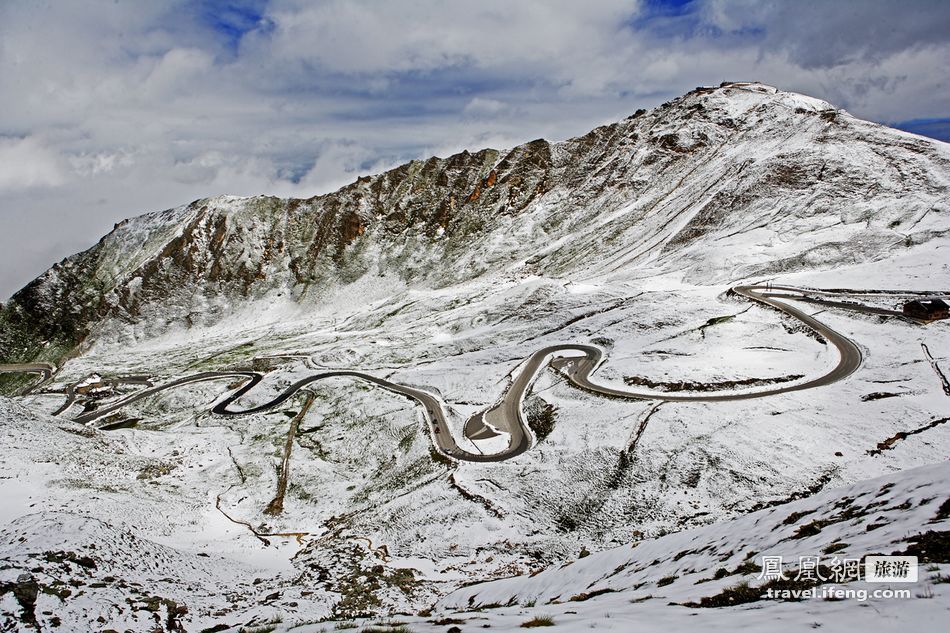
{"points": [[577, 361]]}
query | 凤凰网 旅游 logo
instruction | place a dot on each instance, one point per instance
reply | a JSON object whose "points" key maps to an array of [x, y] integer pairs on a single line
{"points": [[830, 578], [890, 569]]}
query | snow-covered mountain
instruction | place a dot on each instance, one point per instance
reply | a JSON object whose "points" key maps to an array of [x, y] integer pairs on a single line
{"points": [[444, 276], [723, 183]]}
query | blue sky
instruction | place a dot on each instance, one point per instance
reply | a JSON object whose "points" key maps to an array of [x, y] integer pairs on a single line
{"points": [[231, 20], [117, 107]]}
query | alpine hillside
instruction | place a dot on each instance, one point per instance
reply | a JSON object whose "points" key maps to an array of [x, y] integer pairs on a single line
{"points": [[723, 183], [567, 380]]}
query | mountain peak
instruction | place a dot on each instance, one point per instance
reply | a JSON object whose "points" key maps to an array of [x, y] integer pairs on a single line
{"points": [[673, 188], [470, 368]]}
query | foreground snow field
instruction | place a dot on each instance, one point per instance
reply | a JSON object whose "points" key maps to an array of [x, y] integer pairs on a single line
{"points": [[86, 568], [693, 579], [630, 239]]}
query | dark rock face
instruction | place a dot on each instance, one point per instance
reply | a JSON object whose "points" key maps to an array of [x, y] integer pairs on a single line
{"points": [[25, 591], [269, 243]]}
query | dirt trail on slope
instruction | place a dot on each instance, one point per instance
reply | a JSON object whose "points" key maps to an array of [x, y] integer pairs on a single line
{"points": [[276, 506]]}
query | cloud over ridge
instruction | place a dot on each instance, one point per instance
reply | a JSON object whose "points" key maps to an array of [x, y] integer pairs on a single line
{"points": [[115, 108]]}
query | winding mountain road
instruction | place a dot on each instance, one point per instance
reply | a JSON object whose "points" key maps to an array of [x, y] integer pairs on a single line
{"points": [[45, 370], [576, 361]]}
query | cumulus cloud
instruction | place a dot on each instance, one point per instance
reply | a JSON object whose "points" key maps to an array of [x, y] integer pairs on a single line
{"points": [[481, 107], [372, 37], [26, 163], [820, 34], [113, 107]]}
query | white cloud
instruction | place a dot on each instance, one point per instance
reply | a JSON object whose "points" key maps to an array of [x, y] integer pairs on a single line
{"points": [[115, 108], [340, 164], [357, 36], [481, 107], [27, 163], [178, 70]]}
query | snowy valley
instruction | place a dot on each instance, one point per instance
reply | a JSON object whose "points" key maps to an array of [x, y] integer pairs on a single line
{"points": [[137, 507]]}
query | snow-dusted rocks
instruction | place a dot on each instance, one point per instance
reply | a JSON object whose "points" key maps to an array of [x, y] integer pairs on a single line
{"points": [[737, 181], [445, 275]]}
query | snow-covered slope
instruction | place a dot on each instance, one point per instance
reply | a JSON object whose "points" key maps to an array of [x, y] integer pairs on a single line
{"points": [[62, 567], [712, 578], [446, 275], [99, 529], [905, 513], [723, 183]]}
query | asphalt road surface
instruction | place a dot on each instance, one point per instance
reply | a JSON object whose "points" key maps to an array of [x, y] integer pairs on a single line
{"points": [[45, 370], [577, 361]]}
